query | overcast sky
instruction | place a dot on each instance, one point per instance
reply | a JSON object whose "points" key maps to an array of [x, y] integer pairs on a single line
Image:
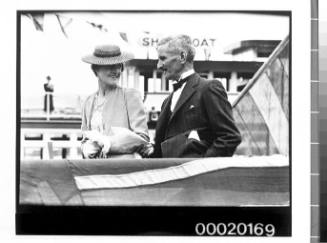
{"points": [[51, 53]]}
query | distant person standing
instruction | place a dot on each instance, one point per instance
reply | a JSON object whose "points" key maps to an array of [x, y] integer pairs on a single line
{"points": [[48, 88], [153, 117]]}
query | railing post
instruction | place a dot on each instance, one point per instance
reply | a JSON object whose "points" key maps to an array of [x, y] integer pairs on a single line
{"points": [[48, 105], [73, 149], [45, 151]]}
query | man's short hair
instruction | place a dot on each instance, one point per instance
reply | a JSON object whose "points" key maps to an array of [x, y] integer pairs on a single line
{"points": [[180, 43]]}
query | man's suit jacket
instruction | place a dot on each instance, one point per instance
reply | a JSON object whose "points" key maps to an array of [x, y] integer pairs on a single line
{"points": [[202, 107]]}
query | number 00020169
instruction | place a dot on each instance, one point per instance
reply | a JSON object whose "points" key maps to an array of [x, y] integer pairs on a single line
{"points": [[235, 229]]}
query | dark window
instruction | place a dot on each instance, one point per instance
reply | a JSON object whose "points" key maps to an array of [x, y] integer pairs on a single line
{"points": [[245, 75]]}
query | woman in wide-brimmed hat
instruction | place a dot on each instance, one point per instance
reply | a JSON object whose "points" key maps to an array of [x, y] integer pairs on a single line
{"points": [[113, 119]]}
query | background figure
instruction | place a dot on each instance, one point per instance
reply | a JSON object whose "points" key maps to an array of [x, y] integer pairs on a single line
{"points": [[153, 117], [48, 97], [196, 119]]}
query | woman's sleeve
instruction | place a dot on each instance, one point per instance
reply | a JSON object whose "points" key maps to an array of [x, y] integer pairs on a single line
{"points": [[89, 149], [83, 125], [136, 113]]}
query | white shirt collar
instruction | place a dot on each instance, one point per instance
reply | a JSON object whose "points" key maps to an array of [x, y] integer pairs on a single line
{"points": [[186, 74]]}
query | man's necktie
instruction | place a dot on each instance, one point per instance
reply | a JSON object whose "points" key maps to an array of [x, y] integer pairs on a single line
{"points": [[179, 84]]}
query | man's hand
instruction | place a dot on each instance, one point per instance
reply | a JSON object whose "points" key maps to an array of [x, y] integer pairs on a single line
{"points": [[146, 150]]}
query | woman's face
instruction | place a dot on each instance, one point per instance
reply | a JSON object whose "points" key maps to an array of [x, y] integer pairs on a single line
{"points": [[109, 74]]}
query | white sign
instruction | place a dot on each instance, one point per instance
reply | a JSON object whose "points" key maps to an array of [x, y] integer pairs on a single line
{"points": [[197, 42]]}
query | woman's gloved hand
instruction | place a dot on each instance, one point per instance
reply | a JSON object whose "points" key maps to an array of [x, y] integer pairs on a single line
{"points": [[102, 141], [90, 149]]}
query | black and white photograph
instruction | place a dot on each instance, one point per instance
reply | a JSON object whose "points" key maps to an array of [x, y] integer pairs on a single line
{"points": [[173, 117]]}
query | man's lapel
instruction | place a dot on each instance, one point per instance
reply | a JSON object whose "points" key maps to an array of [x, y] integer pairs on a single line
{"points": [[164, 116], [187, 92]]}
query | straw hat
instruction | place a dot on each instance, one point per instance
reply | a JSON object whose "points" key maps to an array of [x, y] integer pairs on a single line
{"points": [[108, 55]]}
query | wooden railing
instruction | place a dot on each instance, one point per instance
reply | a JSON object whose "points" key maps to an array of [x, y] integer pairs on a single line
{"points": [[46, 141]]}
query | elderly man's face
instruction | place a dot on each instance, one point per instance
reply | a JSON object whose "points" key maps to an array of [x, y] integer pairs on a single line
{"points": [[109, 74], [169, 62]]}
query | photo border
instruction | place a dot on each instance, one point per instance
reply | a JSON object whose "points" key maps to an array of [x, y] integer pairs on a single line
{"points": [[65, 219]]}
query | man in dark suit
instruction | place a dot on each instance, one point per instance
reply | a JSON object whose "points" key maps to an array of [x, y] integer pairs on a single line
{"points": [[196, 119]]}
